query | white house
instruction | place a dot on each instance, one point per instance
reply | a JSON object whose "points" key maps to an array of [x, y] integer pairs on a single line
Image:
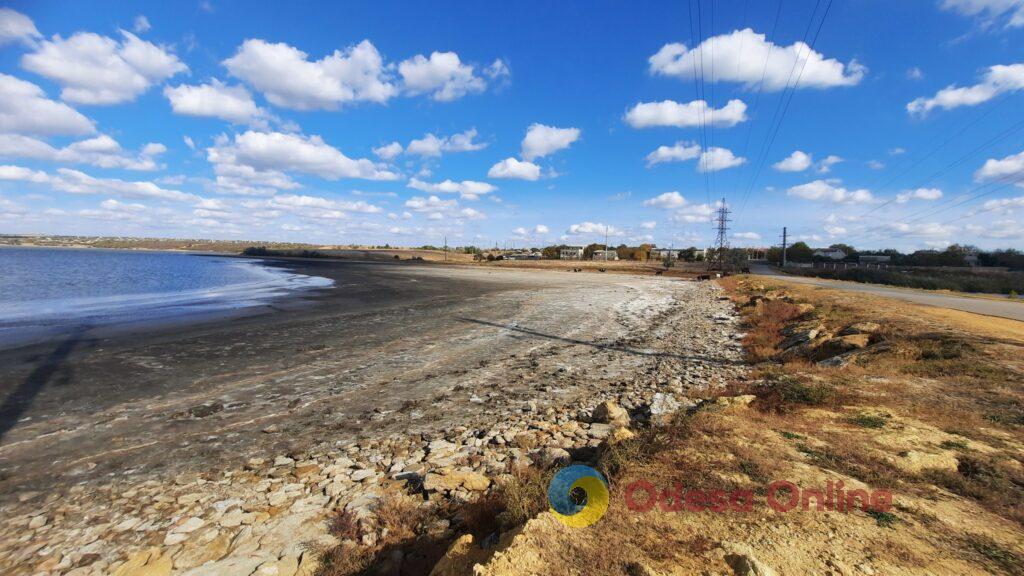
{"points": [[571, 253], [606, 255], [664, 254]]}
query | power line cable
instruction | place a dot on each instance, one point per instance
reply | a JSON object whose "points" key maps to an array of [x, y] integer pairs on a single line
{"points": [[786, 99]]}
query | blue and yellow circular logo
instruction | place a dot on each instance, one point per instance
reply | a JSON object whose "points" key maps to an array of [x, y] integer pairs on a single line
{"points": [[578, 495]]}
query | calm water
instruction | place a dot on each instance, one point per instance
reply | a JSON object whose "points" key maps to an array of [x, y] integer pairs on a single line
{"points": [[46, 289]]}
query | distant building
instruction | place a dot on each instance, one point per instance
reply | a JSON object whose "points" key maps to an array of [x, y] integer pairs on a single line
{"points": [[829, 253], [524, 255], [874, 259], [606, 255], [971, 259], [664, 254], [571, 253]]}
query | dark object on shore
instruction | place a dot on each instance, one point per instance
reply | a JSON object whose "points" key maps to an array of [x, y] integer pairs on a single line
{"points": [[659, 272], [397, 257], [745, 270], [704, 277], [264, 251], [602, 270]]}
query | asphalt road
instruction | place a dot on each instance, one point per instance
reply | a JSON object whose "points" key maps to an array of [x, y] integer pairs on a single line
{"points": [[986, 306]]}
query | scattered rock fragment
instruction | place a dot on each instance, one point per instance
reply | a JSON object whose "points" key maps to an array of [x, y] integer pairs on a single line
{"points": [[609, 412]]}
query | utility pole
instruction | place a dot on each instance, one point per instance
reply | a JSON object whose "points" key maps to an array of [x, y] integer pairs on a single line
{"points": [[784, 239], [720, 259], [606, 243], [445, 247]]}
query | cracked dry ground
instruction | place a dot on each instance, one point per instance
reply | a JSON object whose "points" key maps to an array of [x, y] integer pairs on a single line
{"points": [[329, 403]]}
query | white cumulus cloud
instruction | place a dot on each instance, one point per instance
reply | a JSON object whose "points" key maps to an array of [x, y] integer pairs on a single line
{"points": [[1010, 168], [830, 191], [16, 27], [277, 152], [999, 79], [825, 166], [798, 161], [25, 109], [95, 69], [289, 79], [918, 194], [741, 56], [75, 182], [678, 152], [443, 76], [513, 168], [216, 100], [714, 159], [668, 200], [466, 189], [541, 140], [596, 229], [102, 151], [696, 113], [389, 151], [433, 146], [990, 11], [747, 236]]}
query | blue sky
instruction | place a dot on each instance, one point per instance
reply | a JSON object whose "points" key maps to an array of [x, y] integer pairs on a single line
{"points": [[526, 123]]}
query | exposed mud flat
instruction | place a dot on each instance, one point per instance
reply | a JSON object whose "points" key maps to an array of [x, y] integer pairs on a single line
{"points": [[393, 357]]}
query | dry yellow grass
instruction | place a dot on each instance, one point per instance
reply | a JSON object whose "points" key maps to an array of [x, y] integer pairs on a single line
{"points": [[933, 415], [931, 412]]}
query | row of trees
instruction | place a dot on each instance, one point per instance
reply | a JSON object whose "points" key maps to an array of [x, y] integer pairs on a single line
{"points": [[954, 255]]}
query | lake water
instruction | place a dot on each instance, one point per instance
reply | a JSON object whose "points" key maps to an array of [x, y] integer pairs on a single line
{"points": [[51, 289]]}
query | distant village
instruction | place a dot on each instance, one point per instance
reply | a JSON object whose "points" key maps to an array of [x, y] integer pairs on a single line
{"points": [[799, 254]]}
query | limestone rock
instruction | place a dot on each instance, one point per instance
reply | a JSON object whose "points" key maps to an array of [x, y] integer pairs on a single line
{"points": [[212, 550], [608, 412], [741, 559], [663, 406], [860, 328], [146, 563], [448, 480]]}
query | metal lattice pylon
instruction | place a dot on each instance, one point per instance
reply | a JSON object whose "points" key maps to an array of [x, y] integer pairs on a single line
{"points": [[720, 259]]}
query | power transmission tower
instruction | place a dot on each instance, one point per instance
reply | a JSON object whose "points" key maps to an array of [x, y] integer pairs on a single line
{"points": [[720, 259], [784, 239]]}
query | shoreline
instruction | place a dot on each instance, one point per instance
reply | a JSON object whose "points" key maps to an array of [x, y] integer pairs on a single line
{"points": [[442, 369], [272, 286]]}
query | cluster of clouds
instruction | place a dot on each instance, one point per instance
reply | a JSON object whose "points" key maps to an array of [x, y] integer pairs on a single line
{"points": [[711, 159], [749, 58], [997, 80], [689, 115], [831, 191], [991, 12], [540, 141], [680, 209], [800, 161], [431, 146], [262, 165]]}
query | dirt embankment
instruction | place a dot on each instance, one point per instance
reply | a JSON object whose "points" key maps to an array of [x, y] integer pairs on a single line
{"points": [[881, 396]]}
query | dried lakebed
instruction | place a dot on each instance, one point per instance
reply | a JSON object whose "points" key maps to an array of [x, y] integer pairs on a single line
{"points": [[246, 437]]}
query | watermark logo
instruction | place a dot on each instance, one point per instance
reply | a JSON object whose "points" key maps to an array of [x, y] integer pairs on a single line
{"points": [[578, 495]]}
